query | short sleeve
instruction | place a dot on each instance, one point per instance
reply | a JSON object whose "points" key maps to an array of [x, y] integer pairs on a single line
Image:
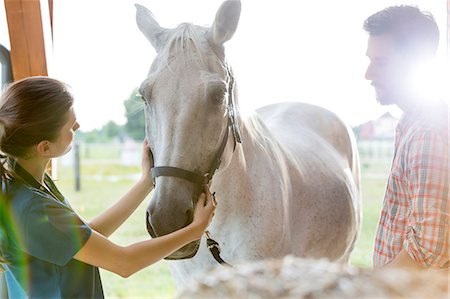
{"points": [[52, 231]]}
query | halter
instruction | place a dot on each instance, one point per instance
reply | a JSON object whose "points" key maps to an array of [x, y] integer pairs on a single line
{"points": [[204, 179], [191, 176]]}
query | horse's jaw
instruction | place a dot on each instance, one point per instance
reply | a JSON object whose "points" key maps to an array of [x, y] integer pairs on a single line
{"points": [[186, 252]]}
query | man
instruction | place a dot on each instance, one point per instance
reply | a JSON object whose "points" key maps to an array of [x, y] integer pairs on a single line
{"points": [[413, 229]]}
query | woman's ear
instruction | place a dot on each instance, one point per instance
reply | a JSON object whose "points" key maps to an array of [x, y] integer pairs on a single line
{"points": [[43, 148]]}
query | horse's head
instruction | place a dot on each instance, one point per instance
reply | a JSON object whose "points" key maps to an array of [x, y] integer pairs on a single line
{"points": [[188, 94]]}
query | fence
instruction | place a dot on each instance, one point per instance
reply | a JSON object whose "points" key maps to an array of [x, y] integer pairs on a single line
{"points": [[375, 156], [374, 150], [127, 153], [130, 152]]}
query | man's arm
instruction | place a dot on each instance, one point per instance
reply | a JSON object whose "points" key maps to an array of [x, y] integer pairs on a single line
{"points": [[403, 260], [427, 230]]}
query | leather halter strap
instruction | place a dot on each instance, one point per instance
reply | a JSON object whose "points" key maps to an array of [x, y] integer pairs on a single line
{"points": [[191, 176], [179, 173]]}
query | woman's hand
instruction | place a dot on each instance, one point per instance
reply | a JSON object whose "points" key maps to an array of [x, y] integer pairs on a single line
{"points": [[147, 162], [204, 211]]}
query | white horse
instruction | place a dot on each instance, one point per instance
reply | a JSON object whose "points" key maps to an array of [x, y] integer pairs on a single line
{"points": [[288, 177]]}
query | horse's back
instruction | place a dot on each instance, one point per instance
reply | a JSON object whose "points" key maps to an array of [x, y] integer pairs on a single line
{"points": [[284, 119]]}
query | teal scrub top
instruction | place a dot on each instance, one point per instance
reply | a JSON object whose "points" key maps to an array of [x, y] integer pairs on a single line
{"points": [[40, 234]]}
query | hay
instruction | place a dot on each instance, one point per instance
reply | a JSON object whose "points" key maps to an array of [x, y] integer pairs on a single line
{"points": [[298, 278]]}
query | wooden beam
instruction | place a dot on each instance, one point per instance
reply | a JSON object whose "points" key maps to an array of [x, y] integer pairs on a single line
{"points": [[30, 35], [27, 39]]}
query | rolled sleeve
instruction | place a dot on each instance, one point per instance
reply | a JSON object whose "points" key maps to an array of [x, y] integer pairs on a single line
{"points": [[422, 255], [428, 230]]}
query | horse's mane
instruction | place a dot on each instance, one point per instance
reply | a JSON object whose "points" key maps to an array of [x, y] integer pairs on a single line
{"points": [[257, 131], [185, 44], [262, 138]]}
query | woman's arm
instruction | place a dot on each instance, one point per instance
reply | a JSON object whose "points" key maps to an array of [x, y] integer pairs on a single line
{"points": [[125, 261], [110, 220]]}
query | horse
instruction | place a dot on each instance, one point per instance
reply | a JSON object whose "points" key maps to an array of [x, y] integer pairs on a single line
{"points": [[286, 177]]}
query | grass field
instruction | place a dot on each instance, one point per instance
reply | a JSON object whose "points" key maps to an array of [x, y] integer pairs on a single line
{"points": [[103, 181]]}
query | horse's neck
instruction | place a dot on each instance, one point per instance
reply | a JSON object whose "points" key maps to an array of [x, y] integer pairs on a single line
{"points": [[251, 158], [246, 188]]}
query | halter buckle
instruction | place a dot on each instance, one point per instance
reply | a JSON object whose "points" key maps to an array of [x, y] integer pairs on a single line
{"points": [[210, 247]]}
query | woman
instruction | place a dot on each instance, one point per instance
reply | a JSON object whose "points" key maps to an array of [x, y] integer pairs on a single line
{"points": [[50, 252]]}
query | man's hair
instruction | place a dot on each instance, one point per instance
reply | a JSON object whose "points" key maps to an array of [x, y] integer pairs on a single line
{"points": [[414, 30]]}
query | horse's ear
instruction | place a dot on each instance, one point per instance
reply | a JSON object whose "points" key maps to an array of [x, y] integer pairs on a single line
{"points": [[226, 21], [149, 26]]}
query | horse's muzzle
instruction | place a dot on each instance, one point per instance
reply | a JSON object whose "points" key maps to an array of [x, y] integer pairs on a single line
{"points": [[185, 252]]}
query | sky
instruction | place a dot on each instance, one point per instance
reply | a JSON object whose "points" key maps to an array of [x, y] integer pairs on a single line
{"points": [[284, 50]]}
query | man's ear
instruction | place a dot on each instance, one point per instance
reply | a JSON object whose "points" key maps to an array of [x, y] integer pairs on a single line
{"points": [[43, 148]]}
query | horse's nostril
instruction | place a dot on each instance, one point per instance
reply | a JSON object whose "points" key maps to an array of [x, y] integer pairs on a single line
{"points": [[149, 226]]}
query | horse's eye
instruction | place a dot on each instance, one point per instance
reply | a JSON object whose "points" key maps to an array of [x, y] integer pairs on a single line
{"points": [[145, 90], [140, 96], [216, 93]]}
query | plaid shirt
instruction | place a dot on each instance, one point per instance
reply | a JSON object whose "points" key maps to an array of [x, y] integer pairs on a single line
{"points": [[415, 213]]}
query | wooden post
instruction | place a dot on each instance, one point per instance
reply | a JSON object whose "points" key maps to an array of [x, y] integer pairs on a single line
{"points": [[30, 26], [29, 42]]}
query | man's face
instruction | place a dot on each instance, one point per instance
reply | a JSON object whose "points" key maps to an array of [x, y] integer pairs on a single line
{"points": [[388, 69]]}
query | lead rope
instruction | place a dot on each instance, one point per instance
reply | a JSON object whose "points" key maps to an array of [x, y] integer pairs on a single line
{"points": [[214, 247]]}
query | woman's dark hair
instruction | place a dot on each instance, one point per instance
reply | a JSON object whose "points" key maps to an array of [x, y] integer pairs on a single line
{"points": [[31, 110], [414, 30]]}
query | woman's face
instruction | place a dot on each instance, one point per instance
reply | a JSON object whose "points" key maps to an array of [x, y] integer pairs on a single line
{"points": [[63, 142]]}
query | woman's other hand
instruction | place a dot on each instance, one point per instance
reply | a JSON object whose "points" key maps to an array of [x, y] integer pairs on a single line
{"points": [[147, 162], [204, 211]]}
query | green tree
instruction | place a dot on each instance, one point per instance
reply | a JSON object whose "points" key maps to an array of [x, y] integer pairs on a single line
{"points": [[112, 130], [134, 113], [107, 133]]}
